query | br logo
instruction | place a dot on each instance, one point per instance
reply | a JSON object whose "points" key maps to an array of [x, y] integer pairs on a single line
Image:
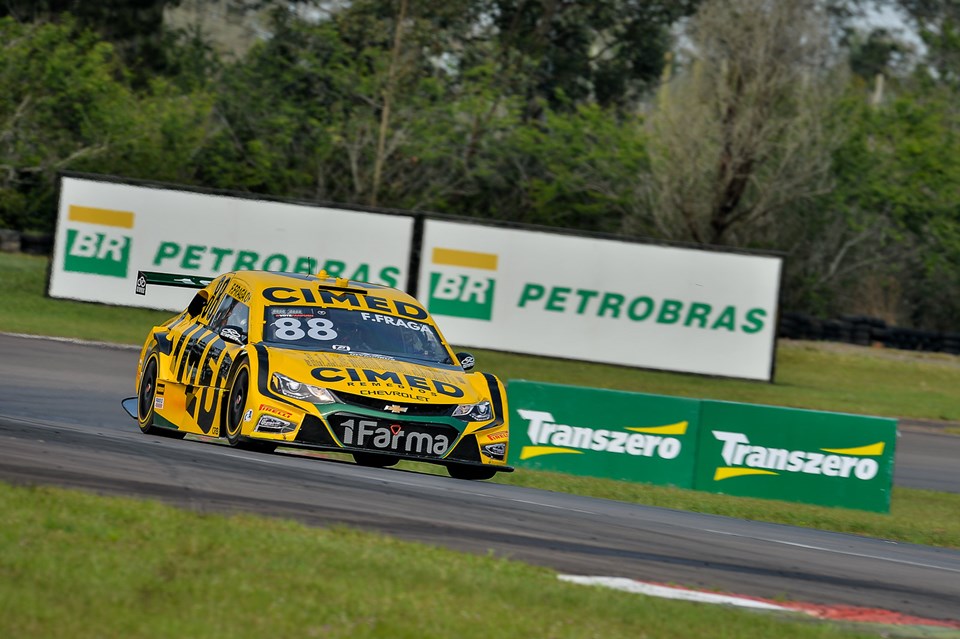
{"points": [[460, 287], [96, 242]]}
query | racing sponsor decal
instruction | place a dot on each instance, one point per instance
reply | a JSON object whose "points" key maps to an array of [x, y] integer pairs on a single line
{"points": [[409, 438], [217, 259], [742, 458], [267, 408], [367, 378], [97, 243], [247, 416], [343, 299], [202, 405], [550, 438], [158, 402], [641, 308], [231, 334], [460, 283], [239, 292], [364, 376], [495, 451]]}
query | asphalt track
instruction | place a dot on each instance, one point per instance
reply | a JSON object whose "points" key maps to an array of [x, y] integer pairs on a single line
{"points": [[61, 423]]}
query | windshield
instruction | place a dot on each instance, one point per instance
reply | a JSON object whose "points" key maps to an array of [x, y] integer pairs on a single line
{"points": [[349, 331]]}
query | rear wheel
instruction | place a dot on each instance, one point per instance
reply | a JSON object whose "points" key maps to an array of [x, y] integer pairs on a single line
{"points": [[237, 408], [147, 397], [374, 460], [475, 473]]}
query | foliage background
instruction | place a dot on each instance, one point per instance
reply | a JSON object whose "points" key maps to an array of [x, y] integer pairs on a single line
{"points": [[795, 127]]}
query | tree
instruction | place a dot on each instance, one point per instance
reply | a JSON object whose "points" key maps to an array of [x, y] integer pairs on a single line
{"points": [[58, 99], [565, 53], [134, 27], [889, 245], [740, 133]]}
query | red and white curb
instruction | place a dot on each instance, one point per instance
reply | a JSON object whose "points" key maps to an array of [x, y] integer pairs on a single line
{"points": [[827, 612]]}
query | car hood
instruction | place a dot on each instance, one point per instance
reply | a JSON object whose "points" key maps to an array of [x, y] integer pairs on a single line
{"points": [[374, 376]]}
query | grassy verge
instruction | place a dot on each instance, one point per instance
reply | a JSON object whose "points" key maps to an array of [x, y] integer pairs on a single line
{"points": [[26, 309], [828, 377], [78, 565]]}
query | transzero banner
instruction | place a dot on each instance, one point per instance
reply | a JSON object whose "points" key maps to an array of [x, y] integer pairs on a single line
{"points": [[832, 459], [603, 433]]}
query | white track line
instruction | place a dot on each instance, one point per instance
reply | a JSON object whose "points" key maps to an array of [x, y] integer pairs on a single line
{"points": [[654, 590], [837, 552]]}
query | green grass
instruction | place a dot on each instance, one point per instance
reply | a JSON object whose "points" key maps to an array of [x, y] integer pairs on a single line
{"points": [[77, 565], [27, 309], [916, 516]]}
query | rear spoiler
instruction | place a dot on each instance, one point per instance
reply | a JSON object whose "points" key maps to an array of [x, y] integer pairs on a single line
{"points": [[169, 279]]}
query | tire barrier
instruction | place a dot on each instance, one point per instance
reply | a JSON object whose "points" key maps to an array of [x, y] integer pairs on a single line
{"points": [[866, 331]]}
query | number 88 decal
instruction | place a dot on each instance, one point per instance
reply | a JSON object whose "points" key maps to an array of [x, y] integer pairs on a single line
{"points": [[289, 329]]}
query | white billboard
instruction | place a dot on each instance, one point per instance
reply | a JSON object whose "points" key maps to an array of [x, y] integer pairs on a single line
{"points": [[602, 300], [107, 231]]}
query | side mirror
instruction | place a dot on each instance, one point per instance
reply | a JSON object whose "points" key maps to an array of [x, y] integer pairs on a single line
{"points": [[234, 335], [197, 303], [467, 362]]}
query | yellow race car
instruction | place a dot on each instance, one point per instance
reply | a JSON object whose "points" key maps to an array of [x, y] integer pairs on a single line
{"points": [[269, 359]]}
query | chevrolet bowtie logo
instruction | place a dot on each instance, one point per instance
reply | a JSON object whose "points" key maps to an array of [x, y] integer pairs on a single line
{"points": [[394, 408]]}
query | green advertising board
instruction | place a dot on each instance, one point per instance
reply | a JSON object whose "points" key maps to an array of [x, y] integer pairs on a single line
{"points": [[603, 433], [831, 459]]}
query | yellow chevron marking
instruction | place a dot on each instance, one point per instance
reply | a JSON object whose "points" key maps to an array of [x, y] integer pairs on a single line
{"points": [[105, 217], [728, 472], [470, 259], [680, 428], [859, 451], [536, 451]]}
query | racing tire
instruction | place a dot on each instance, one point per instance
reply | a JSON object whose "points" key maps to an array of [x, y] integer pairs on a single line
{"points": [[374, 460], [235, 409], [472, 473], [146, 396]]}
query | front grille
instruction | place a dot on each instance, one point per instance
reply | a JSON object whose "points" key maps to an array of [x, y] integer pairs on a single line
{"points": [[416, 439], [380, 403], [466, 450], [312, 431]]}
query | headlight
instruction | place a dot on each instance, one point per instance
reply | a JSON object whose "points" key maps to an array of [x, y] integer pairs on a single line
{"points": [[298, 390], [479, 412]]}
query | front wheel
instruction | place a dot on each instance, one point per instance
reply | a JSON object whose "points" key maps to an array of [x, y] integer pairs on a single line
{"points": [[474, 473], [147, 398], [236, 411]]}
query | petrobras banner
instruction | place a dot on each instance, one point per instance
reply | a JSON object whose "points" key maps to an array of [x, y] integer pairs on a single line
{"points": [[107, 231], [603, 433], [602, 300], [831, 459]]}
